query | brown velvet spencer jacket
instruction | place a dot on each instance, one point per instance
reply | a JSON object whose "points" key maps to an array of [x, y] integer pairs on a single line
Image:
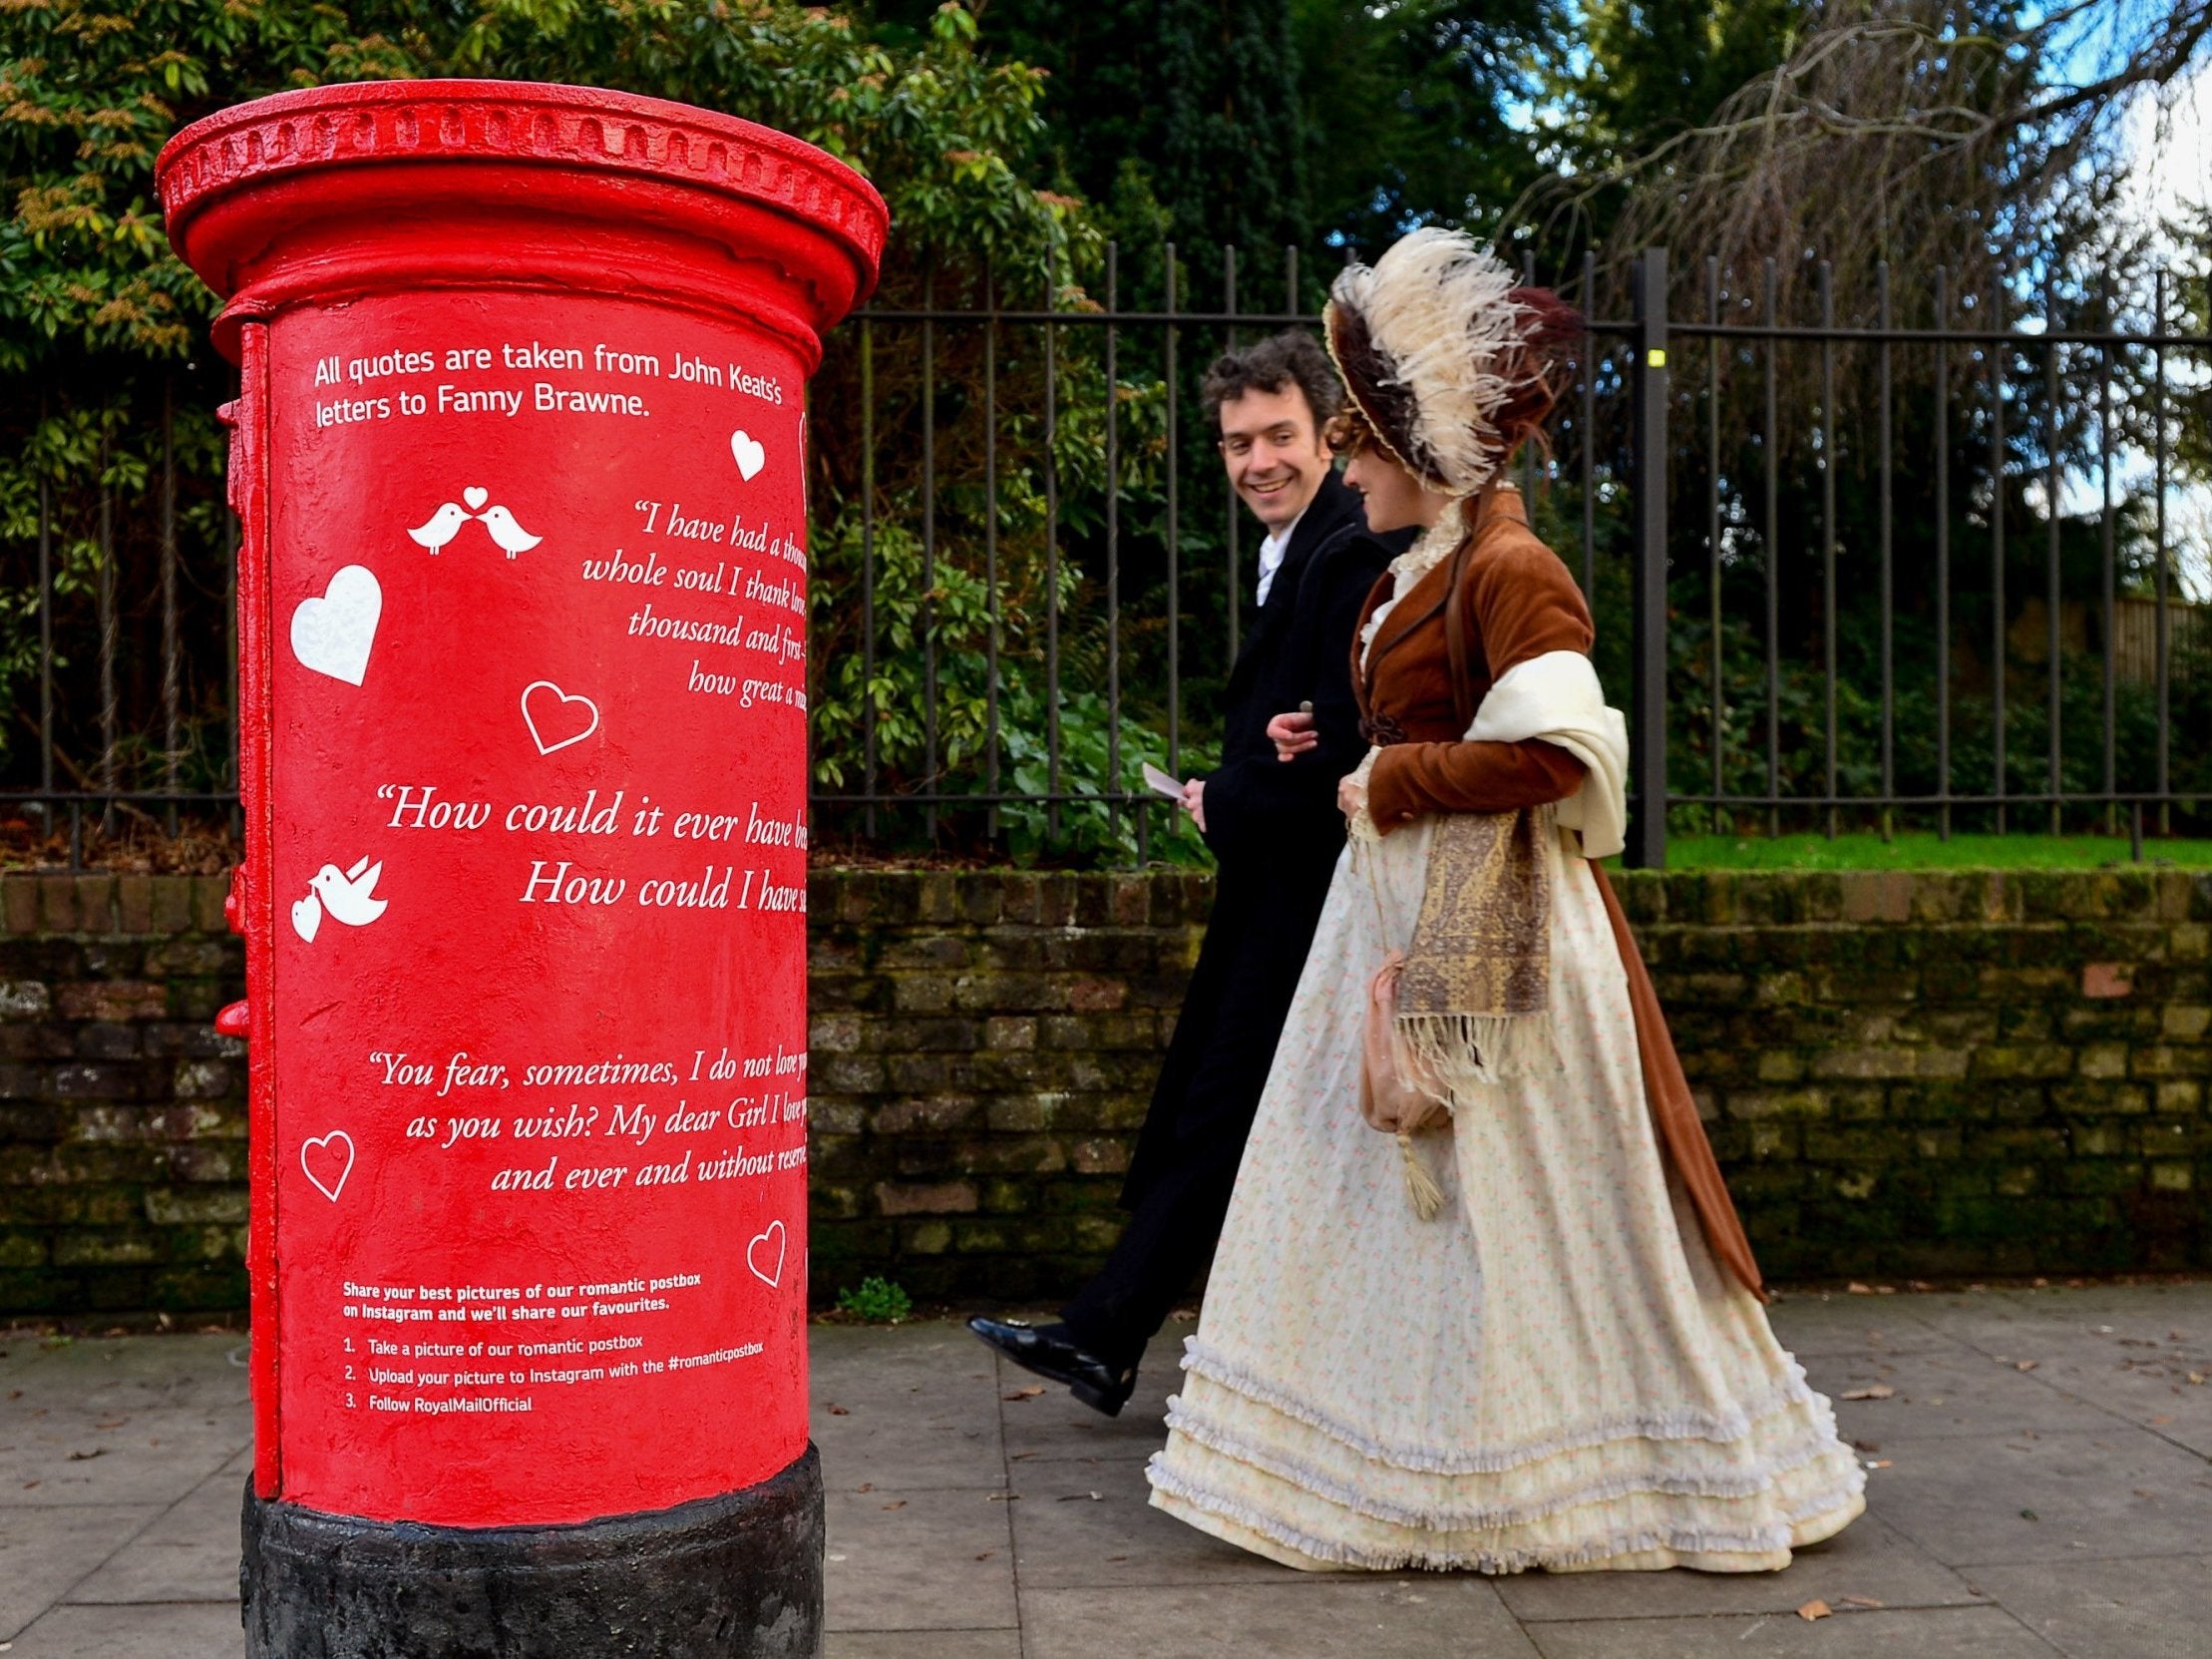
{"points": [[1517, 601]]}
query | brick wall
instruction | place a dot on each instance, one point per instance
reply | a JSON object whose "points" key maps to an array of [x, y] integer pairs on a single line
{"points": [[122, 1114], [1903, 1074]]}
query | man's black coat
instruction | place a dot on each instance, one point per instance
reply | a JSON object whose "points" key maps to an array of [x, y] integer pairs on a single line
{"points": [[1276, 835]]}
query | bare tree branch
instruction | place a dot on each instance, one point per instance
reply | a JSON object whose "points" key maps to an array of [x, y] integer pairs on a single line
{"points": [[1899, 130]]}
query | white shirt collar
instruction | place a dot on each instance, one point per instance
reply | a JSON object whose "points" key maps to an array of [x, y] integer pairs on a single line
{"points": [[1271, 551]]}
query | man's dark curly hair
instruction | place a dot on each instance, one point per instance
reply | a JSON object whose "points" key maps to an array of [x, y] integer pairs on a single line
{"points": [[1290, 359]]}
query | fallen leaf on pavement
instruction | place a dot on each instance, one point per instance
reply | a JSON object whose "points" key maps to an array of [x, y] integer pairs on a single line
{"points": [[865, 1487], [839, 1411], [1815, 1610], [2197, 1378], [88, 1456], [2025, 1365], [1856, 1289], [1873, 1391], [901, 1503], [1024, 1393]]}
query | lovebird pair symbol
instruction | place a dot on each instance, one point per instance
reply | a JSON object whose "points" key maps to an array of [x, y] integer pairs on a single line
{"points": [[445, 522]]}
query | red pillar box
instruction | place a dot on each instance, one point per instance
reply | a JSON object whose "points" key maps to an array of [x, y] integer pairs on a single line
{"points": [[520, 462]]}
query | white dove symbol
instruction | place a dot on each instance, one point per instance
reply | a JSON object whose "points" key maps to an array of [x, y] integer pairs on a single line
{"points": [[505, 530], [348, 897], [443, 523]]}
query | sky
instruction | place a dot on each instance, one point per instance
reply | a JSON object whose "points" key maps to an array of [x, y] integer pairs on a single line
{"points": [[2172, 147]]}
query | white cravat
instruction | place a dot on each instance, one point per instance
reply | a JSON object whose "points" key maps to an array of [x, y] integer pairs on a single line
{"points": [[1272, 550]]}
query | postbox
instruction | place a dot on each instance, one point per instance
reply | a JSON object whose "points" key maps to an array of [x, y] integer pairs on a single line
{"points": [[518, 457]]}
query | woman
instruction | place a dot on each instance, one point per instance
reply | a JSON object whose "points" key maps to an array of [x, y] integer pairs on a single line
{"points": [[1531, 1337]]}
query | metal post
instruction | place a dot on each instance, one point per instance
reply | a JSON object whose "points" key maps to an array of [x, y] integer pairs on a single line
{"points": [[1229, 488], [1585, 441], [46, 631], [1111, 785], [1646, 847], [868, 571], [1051, 560], [1887, 462], [1717, 622], [927, 608], [1770, 453], [2000, 656], [1943, 555], [1174, 464], [172, 649], [111, 708], [2054, 441], [991, 546], [1827, 430], [2163, 643]]}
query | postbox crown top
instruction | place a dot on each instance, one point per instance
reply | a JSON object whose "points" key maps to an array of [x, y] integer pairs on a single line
{"points": [[616, 136]]}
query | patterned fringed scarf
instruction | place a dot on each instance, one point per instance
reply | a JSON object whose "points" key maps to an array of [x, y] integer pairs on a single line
{"points": [[1474, 1000]]}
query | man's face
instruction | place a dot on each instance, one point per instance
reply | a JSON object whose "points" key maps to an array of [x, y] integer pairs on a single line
{"points": [[1274, 452]]}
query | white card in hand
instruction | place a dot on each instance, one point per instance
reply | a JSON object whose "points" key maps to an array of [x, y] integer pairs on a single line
{"points": [[1161, 784]]}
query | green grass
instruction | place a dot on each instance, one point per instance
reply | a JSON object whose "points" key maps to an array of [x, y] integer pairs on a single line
{"points": [[1923, 851]]}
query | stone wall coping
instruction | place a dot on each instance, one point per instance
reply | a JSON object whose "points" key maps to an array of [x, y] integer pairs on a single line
{"points": [[108, 904], [873, 895]]}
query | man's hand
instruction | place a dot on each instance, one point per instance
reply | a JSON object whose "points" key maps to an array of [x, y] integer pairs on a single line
{"points": [[1194, 800], [1351, 794], [1293, 734]]}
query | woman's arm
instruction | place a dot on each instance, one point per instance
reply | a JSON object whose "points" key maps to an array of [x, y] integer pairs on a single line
{"points": [[1524, 604], [1413, 779]]}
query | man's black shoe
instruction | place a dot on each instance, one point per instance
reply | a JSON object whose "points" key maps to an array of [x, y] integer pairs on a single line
{"points": [[1048, 1351]]}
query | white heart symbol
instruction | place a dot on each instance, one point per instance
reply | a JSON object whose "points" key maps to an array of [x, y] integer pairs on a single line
{"points": [[332, 634], [556, 711], [338, 1146], [475, 496], [306, 917], [768, 1275], [750, 456]]}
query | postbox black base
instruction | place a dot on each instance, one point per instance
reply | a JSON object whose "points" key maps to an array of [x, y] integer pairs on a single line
{"points": [[731, 1577]]}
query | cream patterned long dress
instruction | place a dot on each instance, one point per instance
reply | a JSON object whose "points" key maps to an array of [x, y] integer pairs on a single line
{"points": [[1552, 1373]]}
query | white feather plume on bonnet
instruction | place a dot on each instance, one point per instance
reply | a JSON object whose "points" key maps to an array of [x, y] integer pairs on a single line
{"points": [[1437, 305]]}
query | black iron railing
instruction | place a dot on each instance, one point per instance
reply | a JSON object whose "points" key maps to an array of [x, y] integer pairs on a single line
{"points": [[1859, 573]]}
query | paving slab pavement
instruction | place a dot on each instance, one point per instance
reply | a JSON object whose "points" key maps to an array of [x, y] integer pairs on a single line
{"points": [[2042, 1486]]}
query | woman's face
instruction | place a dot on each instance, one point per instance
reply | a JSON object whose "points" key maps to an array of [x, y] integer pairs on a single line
{"points": [[1396, 497]]}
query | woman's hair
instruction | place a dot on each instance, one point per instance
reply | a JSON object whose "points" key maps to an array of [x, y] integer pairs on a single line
{"points": [[1550, 330]]}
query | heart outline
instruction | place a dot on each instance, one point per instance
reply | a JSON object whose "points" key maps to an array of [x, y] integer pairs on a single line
{"points": [[567, 698], [774, 1230], [475, 495], [749, 453], [307, 917], [316, 1144], [334, 632]]}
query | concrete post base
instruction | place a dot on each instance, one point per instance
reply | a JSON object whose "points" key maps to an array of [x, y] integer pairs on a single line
{"points": [[731, 1577]]}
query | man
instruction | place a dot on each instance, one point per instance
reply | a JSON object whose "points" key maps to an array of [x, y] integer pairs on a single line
{"points": [[1276, 833]]}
